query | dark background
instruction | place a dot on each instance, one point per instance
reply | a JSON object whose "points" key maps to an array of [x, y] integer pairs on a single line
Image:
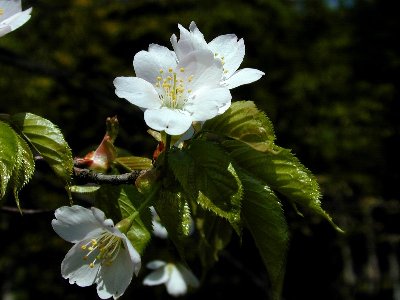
{"points": [[331, 89]]}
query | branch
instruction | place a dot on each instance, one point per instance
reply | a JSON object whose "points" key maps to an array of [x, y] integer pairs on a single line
{"points": [[84, 175], [25, 211], [89, 176]]}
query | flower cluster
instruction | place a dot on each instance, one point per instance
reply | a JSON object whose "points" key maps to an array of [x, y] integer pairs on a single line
{"points": [[12, 16], [174, 88], [191, 83]]}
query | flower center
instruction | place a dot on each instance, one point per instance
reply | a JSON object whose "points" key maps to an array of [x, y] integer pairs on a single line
{"points": [[173, 87], [104, 249], [1, 11]]}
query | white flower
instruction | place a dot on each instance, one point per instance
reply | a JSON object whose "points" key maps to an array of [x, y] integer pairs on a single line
{"points": [[12, 16], [158, 229], [101, 254], [176, 277], [174, 94], [226, 48]]}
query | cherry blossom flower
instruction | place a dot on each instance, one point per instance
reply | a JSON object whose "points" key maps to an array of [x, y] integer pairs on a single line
{"points": [[12, 16], [176, 277], [101, 254], [174, 94], [226, 48]]}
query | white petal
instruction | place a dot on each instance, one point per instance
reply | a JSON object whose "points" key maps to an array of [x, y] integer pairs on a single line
{"points": [[224, 108], [187, 135], [106, 224], [18, 19], [198, 40], [176, 285], [137, 91], [76, 269], [155, 264], [133, 255], [199, 37], [232, 50], [159, 230], [4, 29], [188, 41], [243, 76], [156, 277], [147, 64], [204, 69], [10, 7], [75, 223], [172, 121], [165, 57], [188, 276], [113, 279], [207, 102]]}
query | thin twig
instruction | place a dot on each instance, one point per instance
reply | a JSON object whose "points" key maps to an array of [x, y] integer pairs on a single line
{"points": [[24, 211], [89, 176]]}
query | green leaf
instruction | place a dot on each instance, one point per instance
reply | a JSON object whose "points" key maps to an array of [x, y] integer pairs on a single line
{"points": [[47, 139], [8, 152], [215, 234], [263, 215], [174, 213], [121, 202], [283, 172], [24, 169], [134, 162], [208, 176], [244, 122]]}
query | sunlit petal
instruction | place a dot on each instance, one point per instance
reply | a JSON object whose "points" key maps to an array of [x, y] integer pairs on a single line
{"points": [[148, 64], [243, 76], [12, 17], [137, 91], [172, 121], [207, 103], [229, 50]]}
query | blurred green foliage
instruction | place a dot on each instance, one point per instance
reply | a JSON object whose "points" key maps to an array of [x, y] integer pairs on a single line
{"points": [[331, 90]]}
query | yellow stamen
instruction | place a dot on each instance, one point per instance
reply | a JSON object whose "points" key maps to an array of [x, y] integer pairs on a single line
{"points": [[1, 11], [174, 90]]}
